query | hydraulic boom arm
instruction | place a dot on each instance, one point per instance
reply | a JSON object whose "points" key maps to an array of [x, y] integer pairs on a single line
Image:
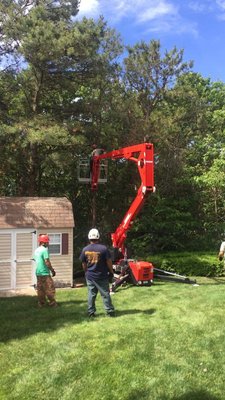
{"points": [[142, 155]]}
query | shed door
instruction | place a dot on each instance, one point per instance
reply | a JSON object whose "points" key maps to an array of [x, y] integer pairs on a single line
{"points": [[5, 260], [24, 264], [17, 270]]}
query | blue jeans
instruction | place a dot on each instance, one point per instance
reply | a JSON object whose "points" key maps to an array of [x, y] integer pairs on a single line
{"points": [[101, 286]]}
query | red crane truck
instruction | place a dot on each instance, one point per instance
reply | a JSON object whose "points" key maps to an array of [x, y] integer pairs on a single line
{"points": [[138, 272]]}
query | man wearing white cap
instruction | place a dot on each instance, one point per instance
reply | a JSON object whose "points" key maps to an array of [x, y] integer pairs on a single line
{"points": [[97, 264]]}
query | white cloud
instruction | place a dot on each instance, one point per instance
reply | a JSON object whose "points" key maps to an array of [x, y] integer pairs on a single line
{"points": [[157, 10], [173, 25], [118, 9], [197, 6], [216, 7], [221, 4], [164, 15], [89, 8], [200, 6]]}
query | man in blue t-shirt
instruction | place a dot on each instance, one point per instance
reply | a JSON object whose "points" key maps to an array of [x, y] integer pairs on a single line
{"points": [[97, 265]]}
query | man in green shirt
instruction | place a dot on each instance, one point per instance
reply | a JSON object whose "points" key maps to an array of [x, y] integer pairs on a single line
{"points": [[44, 273]]}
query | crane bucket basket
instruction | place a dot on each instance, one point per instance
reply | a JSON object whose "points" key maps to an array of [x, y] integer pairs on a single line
{"points": [[84, 171]]}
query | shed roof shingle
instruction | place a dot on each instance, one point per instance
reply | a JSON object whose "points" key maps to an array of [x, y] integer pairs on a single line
{"points": [[36, 212]]}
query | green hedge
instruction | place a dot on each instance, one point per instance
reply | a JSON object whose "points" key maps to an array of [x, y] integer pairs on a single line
{"points": [[189, 264]]}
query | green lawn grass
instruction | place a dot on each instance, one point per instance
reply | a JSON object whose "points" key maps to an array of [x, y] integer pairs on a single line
{"points": [[167, 343]]}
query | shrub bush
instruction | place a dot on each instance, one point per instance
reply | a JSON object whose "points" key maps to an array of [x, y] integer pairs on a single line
{"points": [[189, 264]]}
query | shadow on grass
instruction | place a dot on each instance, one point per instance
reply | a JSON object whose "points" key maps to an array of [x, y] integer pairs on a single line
{"points": [[135, 311], [128, 286], [20, 317], [197, 395], [213, 281], [192, 395]]}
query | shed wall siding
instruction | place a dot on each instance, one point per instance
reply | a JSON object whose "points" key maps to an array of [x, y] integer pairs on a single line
{"points": [[24, 246], [5, 260], [23, 275], [5, 275], [5, 246]]}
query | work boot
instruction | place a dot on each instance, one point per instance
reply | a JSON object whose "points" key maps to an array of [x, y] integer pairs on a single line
{"points": [[111, 314], [41, 305], [53, 304]]}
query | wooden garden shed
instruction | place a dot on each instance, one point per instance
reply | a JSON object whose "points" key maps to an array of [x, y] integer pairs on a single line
{"points": [[22, 219]]}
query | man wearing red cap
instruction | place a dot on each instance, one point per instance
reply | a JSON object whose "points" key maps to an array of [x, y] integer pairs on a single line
{"points": [[44, 273]]}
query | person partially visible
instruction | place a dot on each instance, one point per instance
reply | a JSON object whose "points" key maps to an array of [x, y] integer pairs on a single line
{"points": [[97, 151], [222, 251], [44, 273], [97, 264]]}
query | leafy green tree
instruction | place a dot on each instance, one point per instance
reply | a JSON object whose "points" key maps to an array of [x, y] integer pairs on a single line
{"points": [[175, 217], [210, 169], [47, 112], [148, 76]]}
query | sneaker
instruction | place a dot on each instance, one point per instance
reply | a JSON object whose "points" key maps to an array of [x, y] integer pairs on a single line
{"points": [[92, 315]]}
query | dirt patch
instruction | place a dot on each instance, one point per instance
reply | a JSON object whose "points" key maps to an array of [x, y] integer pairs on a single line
{"points": [[18, 292], [30, 291]]}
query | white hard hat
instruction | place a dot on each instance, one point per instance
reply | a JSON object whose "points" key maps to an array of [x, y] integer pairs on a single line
{"points": [[93, 234]]}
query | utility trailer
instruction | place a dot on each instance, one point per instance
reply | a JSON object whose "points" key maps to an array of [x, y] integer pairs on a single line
{"points": [[140, 273]]}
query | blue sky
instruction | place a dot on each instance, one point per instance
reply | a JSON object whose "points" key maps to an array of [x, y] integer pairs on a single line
{"points": [[197, 26]]}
